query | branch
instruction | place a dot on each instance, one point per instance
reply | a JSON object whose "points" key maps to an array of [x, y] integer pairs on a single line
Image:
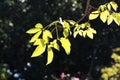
{"points": [[85, 12]]}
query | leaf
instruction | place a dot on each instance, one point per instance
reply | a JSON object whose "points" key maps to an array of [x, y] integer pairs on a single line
{"points": [[102, 7], [84, 33], [38, 25], [32, 31], [39, 50], [72, 22], [110, 19], [75, 34], [46, 35], [35, 37], [81, 32], [109, 6], [66, 25], [66, 32], [104, 15], [56, 46], [93, 15], [90, 34], [114, 5], [50, 55], [117, 18], [39, 42], [66, 45]]}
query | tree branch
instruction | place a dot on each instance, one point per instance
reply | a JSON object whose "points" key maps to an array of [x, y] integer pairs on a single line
{"points": [[85, 12]]}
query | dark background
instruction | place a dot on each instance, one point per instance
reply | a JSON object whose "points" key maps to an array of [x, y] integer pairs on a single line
{"points": [[87, 56]]}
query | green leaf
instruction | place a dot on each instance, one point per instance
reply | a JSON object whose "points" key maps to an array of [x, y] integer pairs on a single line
{"points": [[50, 55], [93, 15], [33, 30], [38, 25], [35, 37], [104, 15], [114, 5], [39, 50], [66, 45], [110, 19]]}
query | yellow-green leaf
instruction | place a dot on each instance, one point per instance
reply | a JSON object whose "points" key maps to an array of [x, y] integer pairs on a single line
{"points": [[90, 34], [84, 33], [104, 15], [75, 34], [93, 15], [92, 30], [66, 32], [66, 25], [35, 37], [110, 19], [66, 45], [38, 25], [109, 6], [114, 5], [117, 18], [56, 46], [46, 35], [81, 32], [39, 50], [102, 7], [32, 31], [50, 55], [39, 42]]}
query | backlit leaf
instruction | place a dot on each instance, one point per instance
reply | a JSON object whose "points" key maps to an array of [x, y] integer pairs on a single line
{"points": [[117, 18], [66, 25], [93, 15], [104, 15], [81, 32], [66, 32], [50, 55], [110, 19], [56, 46], [66, 45], [35, 37], [38, 25], [46, 35], [39, 42], [114, 5], [84, 33], [39, 50], [90, 34], [75, 34], [33, 30], [109, 6]]}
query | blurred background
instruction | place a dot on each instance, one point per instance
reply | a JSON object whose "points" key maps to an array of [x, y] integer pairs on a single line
{"points": [[87, 56]]}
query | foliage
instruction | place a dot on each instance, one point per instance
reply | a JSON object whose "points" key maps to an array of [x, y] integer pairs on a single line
{"points": [[43, 36], [3, 72], [112, 72]]}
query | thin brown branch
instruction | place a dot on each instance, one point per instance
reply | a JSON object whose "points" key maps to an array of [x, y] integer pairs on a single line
{"points": [[85, 12]]}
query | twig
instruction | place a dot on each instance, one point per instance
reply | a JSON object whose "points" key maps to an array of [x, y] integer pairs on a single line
{"points": [[85, 12]]}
